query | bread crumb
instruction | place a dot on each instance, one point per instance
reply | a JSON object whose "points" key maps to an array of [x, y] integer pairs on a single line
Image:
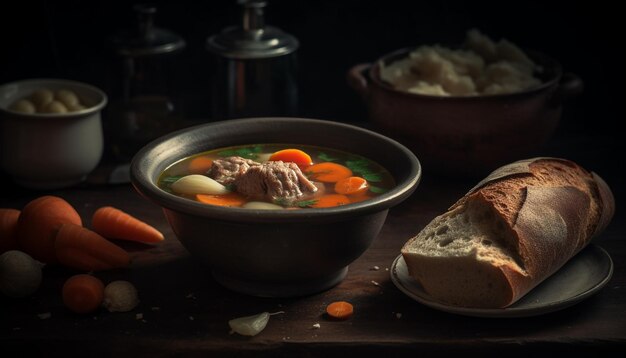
{"points": [[386, 268], [374, 268], [139, 316], [375, 283], [317, 326], [45, 315]]}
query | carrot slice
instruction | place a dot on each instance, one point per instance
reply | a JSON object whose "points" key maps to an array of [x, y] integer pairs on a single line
{"points": [[297, 156], [340, 310], [359, 197], [328, 172], [351, 185], [328, 201], [83, 249], [38, 224], [113, 223], [8, 228], [230, 199], [83, 293], [200, 165]]}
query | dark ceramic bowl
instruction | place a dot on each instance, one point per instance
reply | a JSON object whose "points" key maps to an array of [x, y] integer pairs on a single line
{"points": [[467, 136], [270, 252]]}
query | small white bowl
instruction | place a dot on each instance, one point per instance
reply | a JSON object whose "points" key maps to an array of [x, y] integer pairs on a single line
{"points": [[50, 150]]}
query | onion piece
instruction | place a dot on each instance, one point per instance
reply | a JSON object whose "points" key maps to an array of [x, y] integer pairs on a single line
{"points": [[260, 205], [198, 184]]}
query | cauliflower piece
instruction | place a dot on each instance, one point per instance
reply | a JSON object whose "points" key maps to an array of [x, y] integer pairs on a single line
{"points": [[120, 296]]}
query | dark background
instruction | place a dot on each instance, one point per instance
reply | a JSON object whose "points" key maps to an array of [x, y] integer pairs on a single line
{"points": [[68, 39]]}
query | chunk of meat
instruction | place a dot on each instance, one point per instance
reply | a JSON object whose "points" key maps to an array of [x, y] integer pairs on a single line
{"points": [[274, 181], [226, 171]]}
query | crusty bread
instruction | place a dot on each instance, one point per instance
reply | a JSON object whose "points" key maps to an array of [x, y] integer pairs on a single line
{"points": [[509, 233]]}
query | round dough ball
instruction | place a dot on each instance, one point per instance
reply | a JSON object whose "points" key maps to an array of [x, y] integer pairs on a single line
{"points": [[54, 107], [24, 106], [67, 97], [75, 107], [42, 97]]}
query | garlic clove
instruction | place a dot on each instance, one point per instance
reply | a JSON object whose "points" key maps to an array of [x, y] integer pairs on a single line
{"points": [[250, 325]]}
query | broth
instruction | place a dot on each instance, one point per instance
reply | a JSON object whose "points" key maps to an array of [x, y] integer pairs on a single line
{"points": [[276, 176]]}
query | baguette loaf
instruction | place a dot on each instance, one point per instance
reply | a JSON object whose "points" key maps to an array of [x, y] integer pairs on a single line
{"points": [[509, 233]]}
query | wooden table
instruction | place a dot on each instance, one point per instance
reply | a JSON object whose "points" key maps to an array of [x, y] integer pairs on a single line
{"points": [[185, 312]]}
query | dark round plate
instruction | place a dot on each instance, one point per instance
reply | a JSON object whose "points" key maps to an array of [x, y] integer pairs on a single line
{"points": [[581, 277]]}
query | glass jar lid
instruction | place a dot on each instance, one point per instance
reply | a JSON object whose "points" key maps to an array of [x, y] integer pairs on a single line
{"points": [[147, 39], [252, 39]]}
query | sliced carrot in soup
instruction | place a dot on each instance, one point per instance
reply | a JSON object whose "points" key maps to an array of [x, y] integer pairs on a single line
{"points": [[328, 201], [351, 185], [230, 199], [328, 172], [297, 156], [200, 165]]}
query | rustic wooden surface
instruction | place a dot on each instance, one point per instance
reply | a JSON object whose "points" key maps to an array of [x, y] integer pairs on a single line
{"points": [[185, 312]]}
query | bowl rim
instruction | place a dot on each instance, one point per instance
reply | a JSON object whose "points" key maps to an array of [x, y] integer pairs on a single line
{"points": [[146, 186], [537, 56], [103, 98]]}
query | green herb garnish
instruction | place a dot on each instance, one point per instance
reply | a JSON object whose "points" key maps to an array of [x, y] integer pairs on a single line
{"points": [[361, 167], [299, 204], [247, 152], [378, 190], [325, 157]]}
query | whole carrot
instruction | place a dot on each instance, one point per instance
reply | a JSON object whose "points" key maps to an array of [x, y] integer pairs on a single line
{"points": [[83, 249], [8, 228], [113, 223], [38, 224]]}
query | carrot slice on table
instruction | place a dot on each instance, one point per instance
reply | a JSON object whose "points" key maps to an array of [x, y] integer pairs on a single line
{"points": [[200, 165], [351, 185], [328, 201], [8, 228], [340, 310], [113, 223], [328, 172], [297, 156], [83, 293], [38, 224], [83, 249], [230, 199]]}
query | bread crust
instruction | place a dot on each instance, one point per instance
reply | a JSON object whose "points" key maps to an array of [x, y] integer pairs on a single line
{"points": [[551, 209]]}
